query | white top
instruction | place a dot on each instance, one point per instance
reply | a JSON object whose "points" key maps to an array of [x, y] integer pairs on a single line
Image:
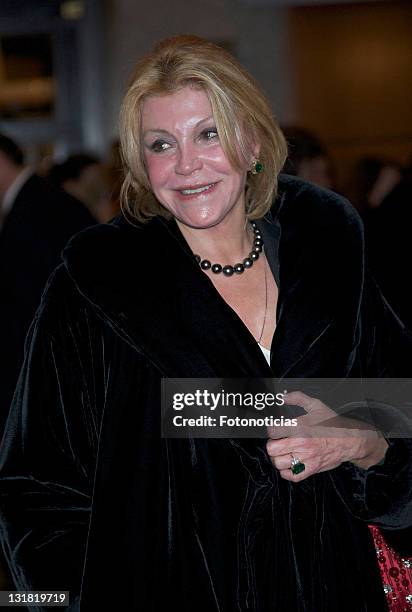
{"points": [[266, 352]]}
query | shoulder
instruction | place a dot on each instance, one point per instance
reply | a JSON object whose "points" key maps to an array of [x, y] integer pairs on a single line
{"points": [[62, 308], [96, 237], [315, 220], [319, 229], [102, 237], [98, 266], [100, 252], [110, 250], [309, 203]]}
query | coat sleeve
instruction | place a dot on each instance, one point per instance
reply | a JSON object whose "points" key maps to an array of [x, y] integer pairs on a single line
{"points": [[382, 495], [48, 453]]}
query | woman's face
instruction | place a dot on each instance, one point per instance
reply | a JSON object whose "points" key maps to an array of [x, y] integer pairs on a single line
{"points": [[188, 170]]}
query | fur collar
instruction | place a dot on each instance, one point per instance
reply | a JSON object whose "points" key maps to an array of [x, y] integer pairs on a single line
{"points": [[145, 282]]}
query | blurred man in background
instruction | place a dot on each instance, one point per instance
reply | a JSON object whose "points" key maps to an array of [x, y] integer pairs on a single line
{"points": [[308, 158], [82, 177], [36, 221], [387, 214]]}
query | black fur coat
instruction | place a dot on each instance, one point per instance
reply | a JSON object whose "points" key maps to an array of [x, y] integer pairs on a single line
{"points": [[95, 502]]}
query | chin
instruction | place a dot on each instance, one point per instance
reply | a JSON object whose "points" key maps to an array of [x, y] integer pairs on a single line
{"points": [[202, 219]]}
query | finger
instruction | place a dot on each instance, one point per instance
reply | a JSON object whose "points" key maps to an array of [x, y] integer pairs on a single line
{"points": [[282, 462], [317, 414], [316, 410], [278, 432], [298, 398], [288, 475], [285, 446], [300, 428]]}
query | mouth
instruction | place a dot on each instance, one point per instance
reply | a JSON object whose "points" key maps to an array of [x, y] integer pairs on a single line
{"points": [[196, 190]]}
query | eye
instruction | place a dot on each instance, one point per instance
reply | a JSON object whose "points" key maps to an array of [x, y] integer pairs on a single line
{"points": [[209, 134], [158, 146]]}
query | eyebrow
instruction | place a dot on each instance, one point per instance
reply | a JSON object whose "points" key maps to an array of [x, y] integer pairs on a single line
{"points": [[159, 131]]}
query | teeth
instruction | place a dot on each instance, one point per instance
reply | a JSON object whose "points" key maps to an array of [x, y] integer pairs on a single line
{"points": [[198, 190]]}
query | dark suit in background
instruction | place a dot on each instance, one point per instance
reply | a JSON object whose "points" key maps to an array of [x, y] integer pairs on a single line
{"points": [[388, 241], [34, 232]]}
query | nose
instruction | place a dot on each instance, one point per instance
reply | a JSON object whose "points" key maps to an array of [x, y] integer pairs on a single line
{"points": [[188, 160]]}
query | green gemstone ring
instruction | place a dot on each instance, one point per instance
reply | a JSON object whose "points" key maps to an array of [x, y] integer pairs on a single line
{"points": [[297, 466]]}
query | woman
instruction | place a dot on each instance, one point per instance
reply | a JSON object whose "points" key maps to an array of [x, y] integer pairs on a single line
{"points": [[93, 500]]}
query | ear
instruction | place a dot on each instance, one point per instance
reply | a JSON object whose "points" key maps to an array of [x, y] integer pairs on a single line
{"points": [[255, 152]]}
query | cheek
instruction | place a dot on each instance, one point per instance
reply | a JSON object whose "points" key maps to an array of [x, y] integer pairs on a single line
{"points": [[239, 181], [219, 160], [157, 171]]}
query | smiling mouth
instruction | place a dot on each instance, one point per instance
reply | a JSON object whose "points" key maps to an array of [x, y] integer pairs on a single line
{"points": [[197, 190]]}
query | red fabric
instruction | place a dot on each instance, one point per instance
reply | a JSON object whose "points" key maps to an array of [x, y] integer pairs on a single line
{"points": [[396, 573]]}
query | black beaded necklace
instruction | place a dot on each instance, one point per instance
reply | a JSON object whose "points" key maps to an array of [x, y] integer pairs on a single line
{"points": [[238, 268]]}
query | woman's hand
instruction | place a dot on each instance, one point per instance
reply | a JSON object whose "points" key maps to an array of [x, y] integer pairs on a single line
{"points": [[319, 446]]}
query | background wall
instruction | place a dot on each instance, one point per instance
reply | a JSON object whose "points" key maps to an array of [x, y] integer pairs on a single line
{"points": [[342, 69], [353, 78], [258, 36]]}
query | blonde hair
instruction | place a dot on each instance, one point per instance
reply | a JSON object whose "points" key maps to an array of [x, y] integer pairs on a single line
{"points": [[242, 114]]}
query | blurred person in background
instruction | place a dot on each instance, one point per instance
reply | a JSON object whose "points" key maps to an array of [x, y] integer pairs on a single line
{"points": [[114, 173], [308, 158], [375, 179], [36, 222], [385, 197], [83, 177]]}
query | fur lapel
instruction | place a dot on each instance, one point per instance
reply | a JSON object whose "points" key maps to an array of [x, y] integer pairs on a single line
{"points": [[145, 282]]}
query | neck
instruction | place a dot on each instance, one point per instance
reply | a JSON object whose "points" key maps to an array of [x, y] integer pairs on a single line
{"points": [[227, 242]]}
